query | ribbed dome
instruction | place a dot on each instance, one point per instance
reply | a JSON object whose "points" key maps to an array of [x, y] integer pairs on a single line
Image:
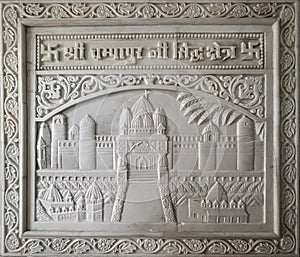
{"points": [[147, 120], [93, 194], [141, 106], [52, 194], [137, 122], [210, 128], [217, 193], [143, 120]]}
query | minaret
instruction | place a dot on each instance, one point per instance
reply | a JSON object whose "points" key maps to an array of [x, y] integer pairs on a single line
{"points": [[207, 148], [59, 126], [159, 119], [125, 121], [74, 132], [87, 144], [94, 203], [44, 147], [245, 144]]}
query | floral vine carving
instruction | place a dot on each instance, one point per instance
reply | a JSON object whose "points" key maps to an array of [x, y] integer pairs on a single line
{"points": [[284, 12], [244, 91]]}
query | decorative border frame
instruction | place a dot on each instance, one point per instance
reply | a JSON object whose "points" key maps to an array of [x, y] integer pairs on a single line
{"points": [[12, 180]]}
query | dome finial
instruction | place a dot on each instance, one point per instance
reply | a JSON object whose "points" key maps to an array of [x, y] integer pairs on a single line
{"points": [[146, 93]]}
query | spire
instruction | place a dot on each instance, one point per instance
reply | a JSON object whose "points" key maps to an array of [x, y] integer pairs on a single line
{"points": [[159, 118], [44, 132], [125, 119], [44, 146], [74, 132]]}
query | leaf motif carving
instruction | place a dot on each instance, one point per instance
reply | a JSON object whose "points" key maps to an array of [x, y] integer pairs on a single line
{"points": [[35, 247], [125, 8], [173, 248], [217, 8], [290, 173], [263, 8], [80, 248], [80, 9], [289, 81], [217, 248], [34, 9], [9, 127], [171, 8], [264, 248], [200, 110], [289, 128], [10, 173], [126, 248], [10, 219], [290, 219]]}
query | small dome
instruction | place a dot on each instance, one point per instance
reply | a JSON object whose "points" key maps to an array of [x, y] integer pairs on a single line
{"points": [[210, 128], [87, 121], [52, 194], [245, 122], [59, 119], [217, 192], [93, 193]]}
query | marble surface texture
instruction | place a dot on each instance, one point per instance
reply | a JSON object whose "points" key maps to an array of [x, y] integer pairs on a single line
{"points": [[138, 128]]}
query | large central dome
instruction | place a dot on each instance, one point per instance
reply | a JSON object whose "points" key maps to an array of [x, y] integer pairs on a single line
{"points": [[142, 106]]}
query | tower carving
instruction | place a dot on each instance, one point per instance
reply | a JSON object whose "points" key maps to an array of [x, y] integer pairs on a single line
{"points": [[59, 126], [245, 144], [87, 144], [44, 147]]}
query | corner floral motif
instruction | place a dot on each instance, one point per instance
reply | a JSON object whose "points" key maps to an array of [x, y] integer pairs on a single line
{"points": [[284, 12]]}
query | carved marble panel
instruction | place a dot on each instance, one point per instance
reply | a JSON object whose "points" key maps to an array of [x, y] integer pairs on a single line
{"points": [[149, 128]]}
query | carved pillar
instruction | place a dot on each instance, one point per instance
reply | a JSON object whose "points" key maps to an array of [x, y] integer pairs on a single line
{"points": [[119, 201], [166, 202], [163, 184], [122, 188]]}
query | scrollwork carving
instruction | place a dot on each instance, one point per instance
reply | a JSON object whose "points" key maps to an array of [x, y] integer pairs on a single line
{"points": [[245, 91]]}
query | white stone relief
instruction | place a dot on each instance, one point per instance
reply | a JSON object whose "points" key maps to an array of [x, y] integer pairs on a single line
{"points": [[282, 239], [145, 151]]}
